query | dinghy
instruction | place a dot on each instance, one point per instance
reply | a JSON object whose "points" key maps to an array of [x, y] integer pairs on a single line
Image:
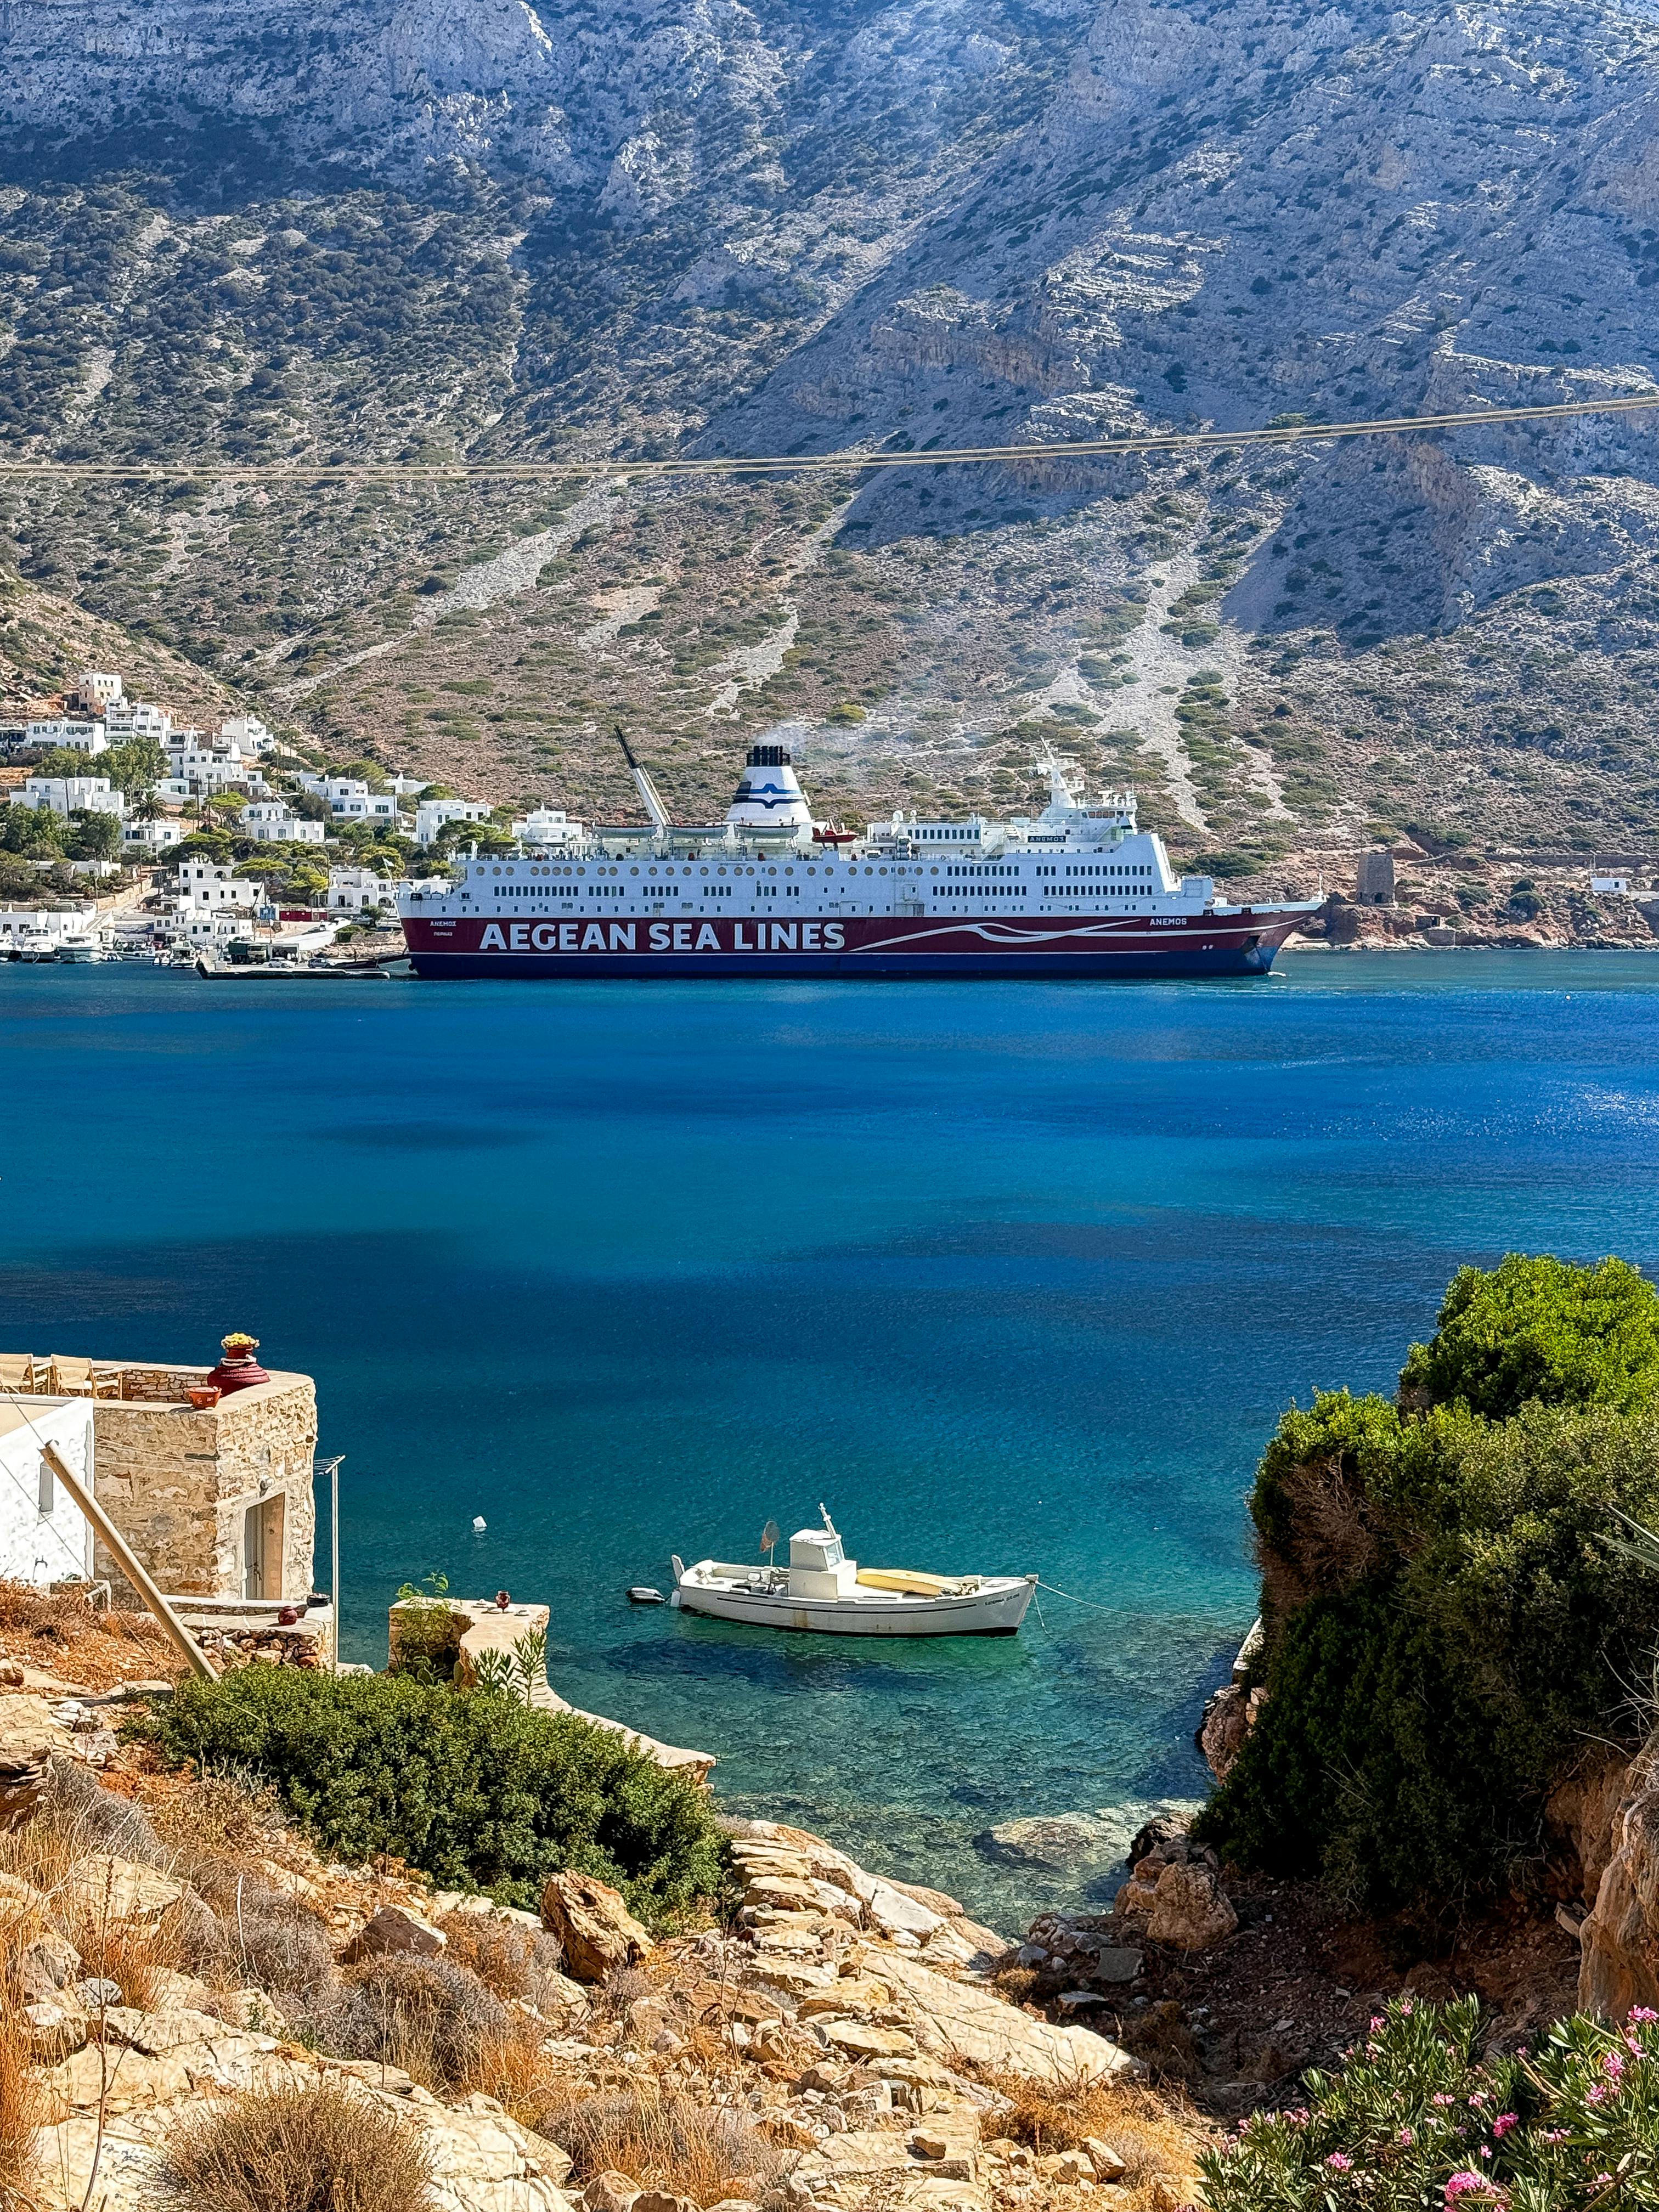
{"points": [[821, 1589]]}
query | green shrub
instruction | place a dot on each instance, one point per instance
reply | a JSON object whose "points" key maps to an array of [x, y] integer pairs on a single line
{"points": [[1447, 1627], [1540, 1329], [1417, 2117], [473, 1789]]}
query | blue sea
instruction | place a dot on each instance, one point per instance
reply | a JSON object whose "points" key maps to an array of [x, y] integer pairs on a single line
{"points": [[1010, 1276]]}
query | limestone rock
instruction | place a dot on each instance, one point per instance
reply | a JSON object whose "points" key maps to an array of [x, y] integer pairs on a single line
{"points": [[1619, 1966], [395, 1930], [596, 1928], [861, 2039], [28, 1737], [57, 2027], [484, 2161], [1580, 1815], [660, 2200], [1190, 1910], [1109, 2166], [611, 2192], [959, 2020], [106, 1889]]}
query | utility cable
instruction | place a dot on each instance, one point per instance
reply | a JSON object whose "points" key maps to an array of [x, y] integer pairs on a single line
{"points": [[1076, 449]]}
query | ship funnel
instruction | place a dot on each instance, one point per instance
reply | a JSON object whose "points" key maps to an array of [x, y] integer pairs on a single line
{"points": [[769, 796]]}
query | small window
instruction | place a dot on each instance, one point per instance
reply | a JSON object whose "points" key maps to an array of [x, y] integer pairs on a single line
{"points": [[48, 1491]]}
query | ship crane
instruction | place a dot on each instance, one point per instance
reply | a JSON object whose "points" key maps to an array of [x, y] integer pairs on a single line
{"points": [[647, 790]]}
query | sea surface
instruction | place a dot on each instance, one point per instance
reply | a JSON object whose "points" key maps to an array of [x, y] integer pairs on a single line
{"points": [[1010, 1276]]}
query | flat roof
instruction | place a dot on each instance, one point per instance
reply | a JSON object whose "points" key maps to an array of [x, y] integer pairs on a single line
{"points": [[17, 1413]]}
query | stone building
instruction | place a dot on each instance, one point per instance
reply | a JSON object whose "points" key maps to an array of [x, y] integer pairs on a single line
{"points": [[1374, 880], [214, 1497]]}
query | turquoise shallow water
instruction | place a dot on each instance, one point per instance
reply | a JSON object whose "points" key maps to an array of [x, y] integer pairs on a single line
{"points": [[1015, 1276]]}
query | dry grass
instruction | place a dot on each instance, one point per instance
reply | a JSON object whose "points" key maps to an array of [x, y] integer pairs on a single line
{"points": [[304, 2147], [428, 2016], [62, 1634], [131, 1953], [666, 2140], [512, 1960], [512, 2067], [22, 2100], [1156, 2137]]}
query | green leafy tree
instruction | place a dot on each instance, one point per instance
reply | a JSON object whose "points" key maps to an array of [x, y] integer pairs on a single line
{"points": [[1449, 1621], [1544, 1329], [18, 880], [93, 836], [135, 766], [34, 831]]}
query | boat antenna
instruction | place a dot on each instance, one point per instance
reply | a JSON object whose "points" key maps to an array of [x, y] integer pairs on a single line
{"points": [[771, 1537], [643, 785], [828, 1522]]}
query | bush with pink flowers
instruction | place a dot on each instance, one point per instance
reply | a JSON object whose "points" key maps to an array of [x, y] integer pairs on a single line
{"points": [[1418, 2118]]}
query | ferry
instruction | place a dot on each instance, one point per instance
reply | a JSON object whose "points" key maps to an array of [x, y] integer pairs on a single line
{"points": [[1080, 891]]}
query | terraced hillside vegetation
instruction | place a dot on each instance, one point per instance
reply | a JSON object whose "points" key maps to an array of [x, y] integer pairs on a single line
{"points": [[403, 231]]}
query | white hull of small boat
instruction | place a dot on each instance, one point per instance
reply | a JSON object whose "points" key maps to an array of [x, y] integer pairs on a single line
{"points": [[980, 1605]]}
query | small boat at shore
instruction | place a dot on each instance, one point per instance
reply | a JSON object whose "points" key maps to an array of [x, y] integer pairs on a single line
{"points": [[821, 1589]]}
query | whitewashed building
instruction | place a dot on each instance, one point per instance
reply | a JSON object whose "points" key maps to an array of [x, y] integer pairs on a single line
{"points": [[136, 717], [548, 827], [210, 886], [431, 815], [99, 689], [360, 891], [142, 840], [44, 1537], [70, 794], [271, 823], [249, 735], [78, 736]]}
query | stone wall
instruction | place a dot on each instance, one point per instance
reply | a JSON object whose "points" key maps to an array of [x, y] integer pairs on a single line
{"points": [[178, 1482]]}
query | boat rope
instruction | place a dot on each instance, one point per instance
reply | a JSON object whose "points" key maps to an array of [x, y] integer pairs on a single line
{"points": [[210, 469], [1071, 1598]]}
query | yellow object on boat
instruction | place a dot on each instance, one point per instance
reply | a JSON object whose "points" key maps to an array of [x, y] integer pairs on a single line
{"points": [[908, 1581]]}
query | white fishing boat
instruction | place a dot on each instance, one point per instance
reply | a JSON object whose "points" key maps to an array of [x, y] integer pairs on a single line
{"points": [[821, 1589]]}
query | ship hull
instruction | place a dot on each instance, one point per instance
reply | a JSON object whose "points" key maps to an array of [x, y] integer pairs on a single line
{"points": [[880, 947]]}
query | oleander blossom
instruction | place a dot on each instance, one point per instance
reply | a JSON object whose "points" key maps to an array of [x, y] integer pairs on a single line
{"points": [[1641, 2013], [1613, 2065], [1340, 2162], [1408, 2136], [1467, 2185], [1504, 2122]]}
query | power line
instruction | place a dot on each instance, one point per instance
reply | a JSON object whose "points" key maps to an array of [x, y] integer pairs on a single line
{"points": [[531, 472]]}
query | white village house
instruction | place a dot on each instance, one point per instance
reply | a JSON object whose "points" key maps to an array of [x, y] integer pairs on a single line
{"points": [[272, 822], [64, 730], [431, 815], [360, 891], [44, 1536], [69, 794]]}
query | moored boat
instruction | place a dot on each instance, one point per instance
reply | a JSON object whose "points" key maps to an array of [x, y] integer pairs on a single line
{"points": [[1080, 891], [822, 1589]]}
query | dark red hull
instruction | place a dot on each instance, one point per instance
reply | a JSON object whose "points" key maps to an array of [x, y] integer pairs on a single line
{"points": [[1240, 943]]}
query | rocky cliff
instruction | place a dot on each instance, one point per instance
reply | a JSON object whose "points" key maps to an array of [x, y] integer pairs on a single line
{"points": [[399, 229]]}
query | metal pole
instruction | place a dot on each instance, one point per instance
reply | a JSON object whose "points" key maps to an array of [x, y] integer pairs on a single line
{"points": [[138, 1575]]}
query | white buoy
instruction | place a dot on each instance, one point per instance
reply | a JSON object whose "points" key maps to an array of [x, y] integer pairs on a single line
{"points": [[479, 1524]]}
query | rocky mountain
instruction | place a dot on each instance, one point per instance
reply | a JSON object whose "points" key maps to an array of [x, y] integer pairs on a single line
{"points": [[391, 228]]}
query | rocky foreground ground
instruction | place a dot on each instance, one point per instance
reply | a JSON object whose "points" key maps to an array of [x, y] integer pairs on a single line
{"points": [[839, 2042]]}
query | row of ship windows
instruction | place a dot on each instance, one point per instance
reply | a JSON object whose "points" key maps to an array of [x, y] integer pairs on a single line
{"points": [[989, 869]]}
